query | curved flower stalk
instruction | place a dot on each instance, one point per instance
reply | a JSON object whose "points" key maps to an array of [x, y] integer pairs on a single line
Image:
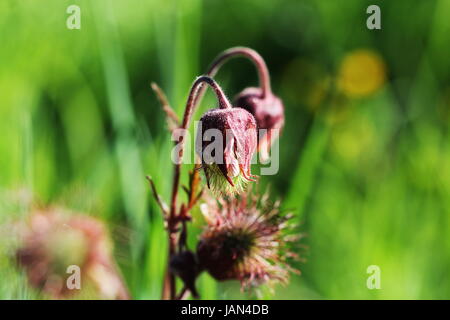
{"points": [[266, 107], [246, 239], [240, 149], [54, 240], [175, 217], [223, 103]]}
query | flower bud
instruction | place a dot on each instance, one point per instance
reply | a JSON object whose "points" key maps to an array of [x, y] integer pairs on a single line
{"points": [[268, 111], [226, 158], [184, 265]]}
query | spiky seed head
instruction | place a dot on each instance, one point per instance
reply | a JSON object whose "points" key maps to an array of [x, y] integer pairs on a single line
{"points": [[55, 239], [226, 142], [245, 239]]}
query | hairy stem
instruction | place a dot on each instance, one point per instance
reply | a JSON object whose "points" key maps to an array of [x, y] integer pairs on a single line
{"points": [[255, 57], [169, 290], [223, 103]]}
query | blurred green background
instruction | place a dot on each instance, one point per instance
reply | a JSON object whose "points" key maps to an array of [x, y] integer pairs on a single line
{"points": [[364, 157]]}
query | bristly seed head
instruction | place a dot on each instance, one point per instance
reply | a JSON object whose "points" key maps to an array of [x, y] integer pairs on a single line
{"points": [[55, 240], [245, 239]]}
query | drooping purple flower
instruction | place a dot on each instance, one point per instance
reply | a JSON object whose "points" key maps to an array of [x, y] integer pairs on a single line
{"points": [[261, 102], [268, 111], [226, 142]]}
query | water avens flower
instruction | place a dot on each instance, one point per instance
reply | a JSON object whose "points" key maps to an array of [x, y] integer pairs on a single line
{"points": [[268, 111], [245, 239], [234, 162], [226, 159], [267, 108]]}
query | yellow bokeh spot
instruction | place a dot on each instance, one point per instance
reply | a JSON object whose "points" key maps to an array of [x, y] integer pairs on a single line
{"points": [[361, 73]]}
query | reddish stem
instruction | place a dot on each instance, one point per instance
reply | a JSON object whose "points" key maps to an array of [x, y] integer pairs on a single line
{"points": [[255, 57], [172, 223], [223, 103]]}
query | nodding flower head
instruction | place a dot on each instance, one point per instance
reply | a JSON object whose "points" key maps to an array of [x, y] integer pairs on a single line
{"points": [[245, 239], [267, 108], [268, 111], [226, 142]]}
